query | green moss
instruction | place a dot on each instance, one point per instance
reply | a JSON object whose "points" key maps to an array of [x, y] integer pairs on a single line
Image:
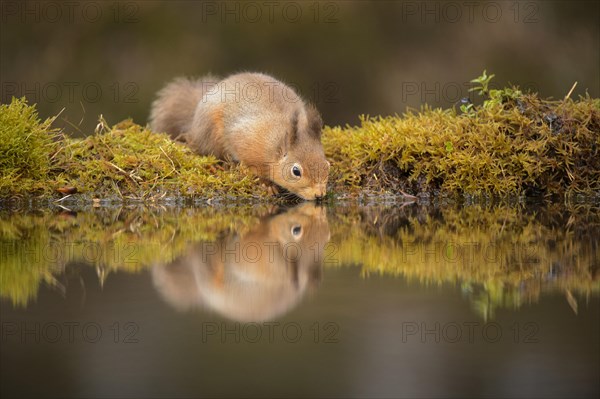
{"points": [[129, 161], [515, 147], [124, 162], [26, 148]]}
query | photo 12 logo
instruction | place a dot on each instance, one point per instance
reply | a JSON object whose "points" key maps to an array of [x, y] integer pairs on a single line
{"points": [[271, 92], [269, 332], [426, 12], [269, 12], [71, 92], [68, 12], [69, 332], [449, 92], [469, 332], [63, 252]]}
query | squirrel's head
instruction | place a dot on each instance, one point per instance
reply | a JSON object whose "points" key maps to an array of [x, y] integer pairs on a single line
{"points": [[302, 167]]}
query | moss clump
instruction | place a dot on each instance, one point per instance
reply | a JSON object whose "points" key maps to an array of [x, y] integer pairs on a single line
{"points": [[513, 144], [124, 162], [26, 148], [132, 162]]}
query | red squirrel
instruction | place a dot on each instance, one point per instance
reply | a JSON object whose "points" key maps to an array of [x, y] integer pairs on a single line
{"points": [[250, 118]]}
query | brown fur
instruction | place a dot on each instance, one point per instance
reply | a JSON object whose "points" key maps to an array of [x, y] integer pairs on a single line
{"points": [[251, 118], [252, 276]]}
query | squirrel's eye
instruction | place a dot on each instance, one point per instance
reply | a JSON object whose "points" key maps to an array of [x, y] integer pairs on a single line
{"points": [[296, 230], [296, 171]]}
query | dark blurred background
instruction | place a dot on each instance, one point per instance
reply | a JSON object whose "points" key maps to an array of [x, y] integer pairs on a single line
{"points": [[350, 58]]}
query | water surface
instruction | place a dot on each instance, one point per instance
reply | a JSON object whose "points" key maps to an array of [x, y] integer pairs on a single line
{"points": [[372, 301]]}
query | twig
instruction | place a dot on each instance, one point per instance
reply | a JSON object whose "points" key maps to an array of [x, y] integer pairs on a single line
{"points": [[117, 168], [169, 158], [65, 208], [131, 176], [405, 195], [570, 91], [63, 198]]}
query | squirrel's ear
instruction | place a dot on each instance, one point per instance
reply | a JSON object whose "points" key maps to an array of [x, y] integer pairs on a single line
{"points": [[291, 136], [315, 123]]}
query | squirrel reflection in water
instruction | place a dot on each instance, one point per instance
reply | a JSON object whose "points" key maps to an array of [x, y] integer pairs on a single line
{"points": [[252, 276]]}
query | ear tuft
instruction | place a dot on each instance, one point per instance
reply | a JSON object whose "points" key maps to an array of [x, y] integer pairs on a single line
{"points": [[292, 134], [315, 123]]}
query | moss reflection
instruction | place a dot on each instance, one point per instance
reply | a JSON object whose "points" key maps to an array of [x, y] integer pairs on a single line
{"points": [[497, 256]]}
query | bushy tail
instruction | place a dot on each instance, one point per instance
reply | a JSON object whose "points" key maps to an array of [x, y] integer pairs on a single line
{"points": [[173, 110]]}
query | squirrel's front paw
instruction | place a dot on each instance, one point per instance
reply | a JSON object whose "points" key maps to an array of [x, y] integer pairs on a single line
{"points": [[272, 188]]}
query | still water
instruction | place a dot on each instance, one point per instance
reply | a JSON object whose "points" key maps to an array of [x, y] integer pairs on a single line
{"points": [[338, 301]]}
